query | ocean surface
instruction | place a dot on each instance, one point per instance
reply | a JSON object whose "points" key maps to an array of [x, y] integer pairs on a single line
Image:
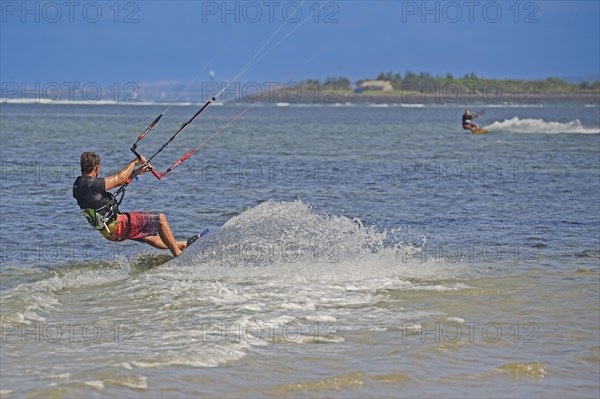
{"points": [[354, 251]]}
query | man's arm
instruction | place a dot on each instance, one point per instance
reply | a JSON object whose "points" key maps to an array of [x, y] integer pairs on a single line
{"points": [[120, 178]]}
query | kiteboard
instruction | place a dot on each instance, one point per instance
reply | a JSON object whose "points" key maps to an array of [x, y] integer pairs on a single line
{"points": [[183, 257], [205, 232], [479, 131]]}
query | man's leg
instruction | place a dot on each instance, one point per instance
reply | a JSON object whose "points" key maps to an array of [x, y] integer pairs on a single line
{"points": [[167, 237], [158, 243]]}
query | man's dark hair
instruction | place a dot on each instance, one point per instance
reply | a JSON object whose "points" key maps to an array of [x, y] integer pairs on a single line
{"points": [[88, 162]]}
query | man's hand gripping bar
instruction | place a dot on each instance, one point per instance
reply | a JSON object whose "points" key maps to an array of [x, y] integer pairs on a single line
{"points": [[157, 175]]}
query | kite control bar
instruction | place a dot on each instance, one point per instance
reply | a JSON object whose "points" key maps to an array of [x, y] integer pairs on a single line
{"points": [[183, 126], [134, 150]]}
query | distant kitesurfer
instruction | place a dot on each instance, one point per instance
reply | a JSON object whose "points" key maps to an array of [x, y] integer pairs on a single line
{"points": [[101, 209], [467, 121]]}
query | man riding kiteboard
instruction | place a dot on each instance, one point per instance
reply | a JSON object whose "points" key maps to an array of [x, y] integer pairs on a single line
{"points": [[467, 121], [101, 208]]}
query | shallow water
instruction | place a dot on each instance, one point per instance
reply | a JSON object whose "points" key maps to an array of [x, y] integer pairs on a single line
{"points": [[354, 251]]}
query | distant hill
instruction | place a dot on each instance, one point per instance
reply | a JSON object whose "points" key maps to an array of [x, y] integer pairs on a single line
{"points": [[393, 87]]}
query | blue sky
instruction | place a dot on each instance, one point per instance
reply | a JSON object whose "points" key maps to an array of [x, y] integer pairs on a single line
{"points": [[159, 41]]}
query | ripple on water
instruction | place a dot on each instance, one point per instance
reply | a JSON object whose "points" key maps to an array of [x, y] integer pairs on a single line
{"points": [[521, 371]]}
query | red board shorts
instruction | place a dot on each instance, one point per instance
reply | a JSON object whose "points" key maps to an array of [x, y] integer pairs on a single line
{"points": [[134, 226]]}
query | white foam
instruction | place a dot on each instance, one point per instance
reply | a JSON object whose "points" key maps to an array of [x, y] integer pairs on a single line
{"points": [[63, 376], [322, 318], [207, 355], [26, 301], [130, 381], [530, 125], [412, 105], [98, 384], [379, 105], [307, 291], [321, 275], [289, 241]]}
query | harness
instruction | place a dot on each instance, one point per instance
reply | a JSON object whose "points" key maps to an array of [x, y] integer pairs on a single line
{"points": [[100, 218], [102, 214]]}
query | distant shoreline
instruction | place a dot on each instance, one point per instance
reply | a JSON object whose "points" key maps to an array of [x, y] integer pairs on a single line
{"points": [[398, 97], [309, 97]]}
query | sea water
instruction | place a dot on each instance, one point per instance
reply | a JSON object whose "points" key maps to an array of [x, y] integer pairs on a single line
{"points": [[355, 251]]}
